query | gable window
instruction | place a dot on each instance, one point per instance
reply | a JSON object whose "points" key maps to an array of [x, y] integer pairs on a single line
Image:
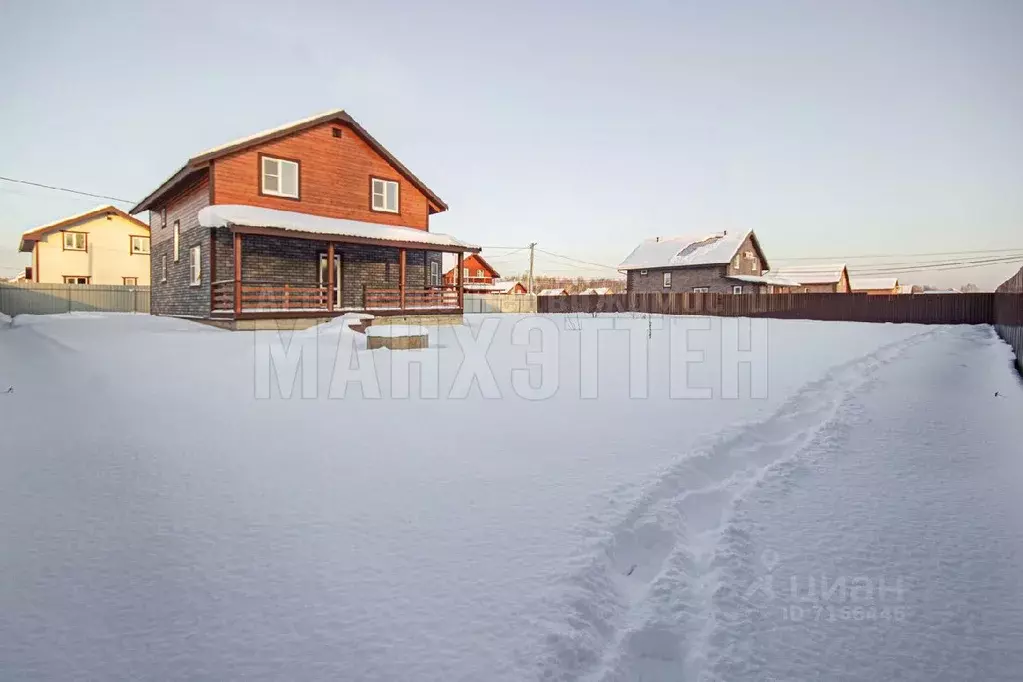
{"points": [[76, 241], [385, 195], [140, 245], [163, 268], [195, 267], [280, 177], [130, 281], [667, 280], [435, 273], [177, 240], [736, 288], [465, 273], [74, 279], [480, 274], [701, 290]]}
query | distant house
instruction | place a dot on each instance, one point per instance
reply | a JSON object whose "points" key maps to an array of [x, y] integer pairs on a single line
{"points": [[817, 279], [101, 246], [597, 291], [715, 263], [477, 274], [875, 285], [508, 287], [553, 292]]}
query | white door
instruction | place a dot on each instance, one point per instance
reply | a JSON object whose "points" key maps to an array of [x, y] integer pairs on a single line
{"points": [[337, 276]]}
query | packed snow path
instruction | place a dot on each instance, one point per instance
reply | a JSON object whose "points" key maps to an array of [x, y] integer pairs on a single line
{"points": [[159, 521]]}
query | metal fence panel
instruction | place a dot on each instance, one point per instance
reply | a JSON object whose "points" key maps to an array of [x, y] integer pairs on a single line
{"points": [[500, 303], [30, 298]]}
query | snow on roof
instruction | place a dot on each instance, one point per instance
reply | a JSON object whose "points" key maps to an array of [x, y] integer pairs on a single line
{"points": [[70, 219], [811, 274], [599, 291], [869, 283], [223, 215], [767, 278], [672, 252], [552, 292], [269, 131]]}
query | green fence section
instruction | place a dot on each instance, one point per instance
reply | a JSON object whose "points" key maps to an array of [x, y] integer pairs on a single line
{"points": [[29, 298]]}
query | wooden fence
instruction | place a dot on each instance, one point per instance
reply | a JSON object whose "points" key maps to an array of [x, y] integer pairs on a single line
{"points": [[1008, 318], [914, 308], [30, 298]]}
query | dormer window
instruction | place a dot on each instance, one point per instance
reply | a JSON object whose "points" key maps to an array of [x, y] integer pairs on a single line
{"points": [[384, 195], [279, 177]]}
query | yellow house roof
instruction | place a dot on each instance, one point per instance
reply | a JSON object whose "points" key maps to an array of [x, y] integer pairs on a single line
{"points": [[31, 236]]}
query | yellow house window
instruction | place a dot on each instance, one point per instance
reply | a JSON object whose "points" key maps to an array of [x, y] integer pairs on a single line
{"points": [[140, 245], [76, 241]]}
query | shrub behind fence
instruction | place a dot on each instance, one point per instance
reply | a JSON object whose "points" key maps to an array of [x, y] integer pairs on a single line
{"points": [[30, 298]]}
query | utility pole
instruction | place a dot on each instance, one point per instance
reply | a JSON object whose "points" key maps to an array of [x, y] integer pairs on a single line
{"points": [[532, 245]]}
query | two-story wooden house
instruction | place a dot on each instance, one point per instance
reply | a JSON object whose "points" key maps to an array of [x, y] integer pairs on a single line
{"points": [[307, 220], [102, 246], [716, 263]]}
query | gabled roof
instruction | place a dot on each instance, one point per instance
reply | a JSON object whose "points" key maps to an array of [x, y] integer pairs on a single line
{"points": [[553, 292], [693, 251], [450, 261], [235, 215], [35, 234], [201, 161], [599, 291], [871, 283], [828, 273]]}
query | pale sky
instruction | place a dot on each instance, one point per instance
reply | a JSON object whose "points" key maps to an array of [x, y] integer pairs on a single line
{"points": [[833, 128]]}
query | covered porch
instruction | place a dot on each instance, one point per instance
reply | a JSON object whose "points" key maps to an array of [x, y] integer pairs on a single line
{"points": [[273, 271]]}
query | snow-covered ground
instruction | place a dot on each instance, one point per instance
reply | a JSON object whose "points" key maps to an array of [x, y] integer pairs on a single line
{"points": [[542, 500]]}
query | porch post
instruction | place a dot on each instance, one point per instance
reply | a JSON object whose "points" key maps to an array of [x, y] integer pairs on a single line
{"points": [[458, 279], [330, 277], [401, 278], [237, 273]]}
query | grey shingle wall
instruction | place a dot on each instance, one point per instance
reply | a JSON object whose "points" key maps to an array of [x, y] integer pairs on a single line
{"points": [[176, 296]]}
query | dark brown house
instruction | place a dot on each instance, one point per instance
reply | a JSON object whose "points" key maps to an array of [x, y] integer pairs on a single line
{"points": [[717, 263], [308, 220]]}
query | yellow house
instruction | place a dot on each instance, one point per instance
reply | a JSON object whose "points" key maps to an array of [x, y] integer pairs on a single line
{"points": [[101, 246]]}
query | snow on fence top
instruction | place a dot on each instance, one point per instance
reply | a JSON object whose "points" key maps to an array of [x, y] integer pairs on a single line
{"points": [[672, 252], [224, 215]]}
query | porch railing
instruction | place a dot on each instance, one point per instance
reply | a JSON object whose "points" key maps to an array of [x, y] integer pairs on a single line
{"points": [[268, 296], [278, 297], [415, 299]]}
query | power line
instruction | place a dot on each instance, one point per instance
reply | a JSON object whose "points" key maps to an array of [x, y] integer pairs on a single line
{"points": [[899, 255], [577, 260], [65, 189]]}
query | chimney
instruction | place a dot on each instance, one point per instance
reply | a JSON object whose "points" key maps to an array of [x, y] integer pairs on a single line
{"points": [[725, 233], [657, 239]]}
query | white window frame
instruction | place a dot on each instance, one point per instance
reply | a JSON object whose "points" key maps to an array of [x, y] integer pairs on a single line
{"points": [[701, 290], [736, 288], [74, 241], [465, 273], [480, 273], [177, 240], [195, 266], [142, 241], [642, 272], [666, 280], [378, 190], [163, 268], [278, 173], [434, 273], [88, 280]]}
